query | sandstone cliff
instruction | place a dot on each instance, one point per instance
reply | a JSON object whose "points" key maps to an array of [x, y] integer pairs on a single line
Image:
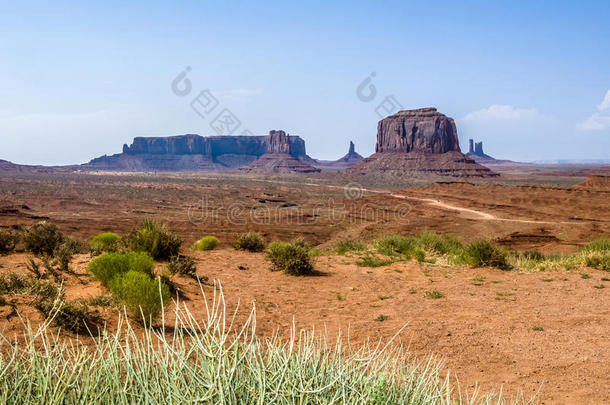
{"points": [[279, 157], [418, 142], [192, 152]]}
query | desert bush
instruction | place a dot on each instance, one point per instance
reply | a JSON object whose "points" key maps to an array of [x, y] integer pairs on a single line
{"points": [[350, 245], [109, 265], [250, 241], [182, 265], [154, 239], [13, 283], [533, 255], [439, 244], [395, 244], [105, 242], [206, 243], [141, 295], [74, 316], [373, 261], [601, 245], [42, 238], [8, 241], [292, 257], [600, 261], [482, 253]]}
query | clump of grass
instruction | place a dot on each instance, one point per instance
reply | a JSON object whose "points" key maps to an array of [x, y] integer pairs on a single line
{"points": [[206, 243], [533, 255], [601, 245], [537, 328], [382, 318], [483, 253], [142, 296], [599, 287], [599, 261], [105, 242], [74, 316], [13, 283], [373, 261], [209, 363], [585, 276], [250, 241], [182, 265], [8, 241], [350, 245], [110, 265], [293, 257], [42, 238], [153, 238], [435, 294]]}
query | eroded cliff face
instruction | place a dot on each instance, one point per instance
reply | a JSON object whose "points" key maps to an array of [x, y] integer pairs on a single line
{"points": [[420, 142], [194, 152], [422, 130]]}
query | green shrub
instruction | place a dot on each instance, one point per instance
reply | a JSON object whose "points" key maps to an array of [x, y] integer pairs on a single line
{"points": [[533, 255], [109, 265], [74, 316], [482, 252], [439, 244], [105, 242], [206, 243], [350, 245], [293, 257], [395, 244], [182, 265], [140, 294], [601, 245], [154, 239], [250, 241], [13, 283], [42, 238], [434, 294], [8, 241], [373, 261], [599, 261]]}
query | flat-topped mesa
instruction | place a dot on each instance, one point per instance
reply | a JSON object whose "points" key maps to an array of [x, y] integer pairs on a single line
{"points": [[415, 143], [421, 130]]}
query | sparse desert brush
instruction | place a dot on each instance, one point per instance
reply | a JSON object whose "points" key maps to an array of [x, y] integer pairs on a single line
{"points": [[42, 238], [105, 242], [182, 265], [109, 265], [395, 244], [74, 316], [599, 261], [8, 241], [482, 253], [601, 245], [250, 241], [533, 255], [373, 261], [142, 296], [439, 244], [153, 238], [13, 283], [206, 362], [206, 243], [291, 257], [350, 245]]}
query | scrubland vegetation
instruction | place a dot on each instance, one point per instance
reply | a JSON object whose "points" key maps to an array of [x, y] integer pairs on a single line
{"points": [[206, 362]]}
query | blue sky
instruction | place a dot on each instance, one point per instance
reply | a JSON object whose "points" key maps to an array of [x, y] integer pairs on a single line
{"points": [[80, 79]]}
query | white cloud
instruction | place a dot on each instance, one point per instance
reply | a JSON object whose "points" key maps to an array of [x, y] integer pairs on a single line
{"points": [[600, 119], [500, 113], [605, 104], [240, 95]]}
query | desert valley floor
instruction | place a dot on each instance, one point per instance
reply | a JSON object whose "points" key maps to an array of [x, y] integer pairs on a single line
{"points": [[484, 324]]}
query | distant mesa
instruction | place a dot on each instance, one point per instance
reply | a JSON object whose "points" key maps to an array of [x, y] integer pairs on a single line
{"points": [[475, 152], [419, 142], [279, 157], [193, 152]]}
